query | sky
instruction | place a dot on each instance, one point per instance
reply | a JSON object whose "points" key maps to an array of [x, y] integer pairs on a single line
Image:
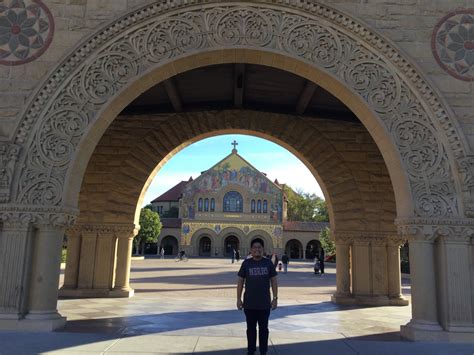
{"points": [[268, 157]]}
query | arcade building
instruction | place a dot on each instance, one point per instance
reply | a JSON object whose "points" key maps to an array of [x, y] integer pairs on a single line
{"points": [[226, 208]]}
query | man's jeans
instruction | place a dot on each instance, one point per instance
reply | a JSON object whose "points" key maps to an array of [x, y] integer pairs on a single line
{"points": [[254, 316], [285, 268]]}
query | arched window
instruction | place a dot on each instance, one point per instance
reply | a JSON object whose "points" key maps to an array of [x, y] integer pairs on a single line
{"points": [[232, 202], [259, 206], [213, 205], [252, 206], [200, 205], [206, 205], [265, 206]]}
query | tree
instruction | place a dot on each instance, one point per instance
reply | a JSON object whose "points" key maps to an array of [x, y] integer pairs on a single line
{"points": [[150, 228], [305, 207], [326, 243]]}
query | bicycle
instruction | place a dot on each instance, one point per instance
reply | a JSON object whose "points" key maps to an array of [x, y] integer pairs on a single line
{"points": [[182, 258]]}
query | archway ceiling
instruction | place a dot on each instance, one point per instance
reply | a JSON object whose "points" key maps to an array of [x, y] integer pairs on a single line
{"points": [[245, 86]]}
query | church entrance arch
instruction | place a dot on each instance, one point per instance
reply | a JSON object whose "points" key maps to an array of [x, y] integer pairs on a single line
{"points": [[313, 249], [231, 243], [423, 157], [170, 245], [294, 249], [205, 246]]}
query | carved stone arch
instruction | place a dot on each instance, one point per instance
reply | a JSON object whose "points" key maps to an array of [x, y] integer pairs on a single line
{"points": [[69, 112], [204, 232]]}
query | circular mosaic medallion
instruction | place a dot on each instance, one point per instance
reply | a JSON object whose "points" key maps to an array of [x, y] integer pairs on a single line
{"points": [[452, 44], [26, 31]]}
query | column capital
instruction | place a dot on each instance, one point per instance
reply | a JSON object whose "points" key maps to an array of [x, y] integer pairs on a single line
{"points": [[428, 230], [375, 238], [21, 216], [99, 229]]}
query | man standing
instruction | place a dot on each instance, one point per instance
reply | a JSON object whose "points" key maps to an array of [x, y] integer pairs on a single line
{"points": [[285, 260], [257, 273], [162, 253]]}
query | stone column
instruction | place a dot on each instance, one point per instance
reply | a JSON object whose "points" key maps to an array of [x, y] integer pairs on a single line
{"points": [[394, 275], [15, 250], [456, 300], [43, 314], [424, 324], [361, 269], [343, 277], [73, 258], [124, 260]]}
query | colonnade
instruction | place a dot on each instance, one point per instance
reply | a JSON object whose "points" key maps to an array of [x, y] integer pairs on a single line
{"points": [[368, 272], [98, 265]]}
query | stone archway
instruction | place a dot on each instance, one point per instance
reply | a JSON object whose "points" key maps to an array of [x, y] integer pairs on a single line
{"points": [[421, 146], [205, 246], [231, 243], [313, 249], [170, 244], [294, 249]]}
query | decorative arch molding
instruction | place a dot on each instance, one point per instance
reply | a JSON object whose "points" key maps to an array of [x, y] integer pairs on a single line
{"points": [[204, 232], [63, 111]]}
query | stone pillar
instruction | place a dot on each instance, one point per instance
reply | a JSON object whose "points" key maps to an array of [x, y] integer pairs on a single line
{"points": [[124, 260], [73, 258], [394, 274], [361, 270], [343, 277], [94, 259], [457, 296], [43, 314], [15, 250], [424, 324]]}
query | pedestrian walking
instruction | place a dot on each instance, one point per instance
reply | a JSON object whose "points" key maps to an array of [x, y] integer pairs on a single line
{"points": [[237, 255], [233, 255], [162, 253], [285, 260], [258, 273]]}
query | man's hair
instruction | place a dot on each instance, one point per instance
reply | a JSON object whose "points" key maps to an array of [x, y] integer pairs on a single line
{"points": [[255, 241]]}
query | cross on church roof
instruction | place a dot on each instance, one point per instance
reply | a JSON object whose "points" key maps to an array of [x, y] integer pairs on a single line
{"points": [[235, 144]]}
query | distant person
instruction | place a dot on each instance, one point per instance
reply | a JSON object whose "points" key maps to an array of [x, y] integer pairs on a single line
{"points": [[233, 255], [162, 253], [258, 273], [182, 253], [237, 255], [321, 261], [316, 266], [285, 260]]}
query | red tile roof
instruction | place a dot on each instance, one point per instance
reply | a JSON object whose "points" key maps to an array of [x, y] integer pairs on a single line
{"points": [[171, 222], [173, 194], [304, 226]]}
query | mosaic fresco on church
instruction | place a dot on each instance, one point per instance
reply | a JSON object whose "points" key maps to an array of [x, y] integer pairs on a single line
{"points": [[233, 170]]}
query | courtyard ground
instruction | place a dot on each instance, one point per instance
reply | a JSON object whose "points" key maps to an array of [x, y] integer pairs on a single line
{"points": [[189, 307]]}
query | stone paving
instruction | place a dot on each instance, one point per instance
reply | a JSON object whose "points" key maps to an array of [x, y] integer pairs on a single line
{"points": [[189, 307]]}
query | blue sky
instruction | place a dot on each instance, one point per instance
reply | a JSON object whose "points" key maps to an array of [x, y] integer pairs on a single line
{"points": [[268, 157]]}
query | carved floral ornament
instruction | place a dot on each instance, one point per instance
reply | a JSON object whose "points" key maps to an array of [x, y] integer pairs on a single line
{"points": [[70, 100]]}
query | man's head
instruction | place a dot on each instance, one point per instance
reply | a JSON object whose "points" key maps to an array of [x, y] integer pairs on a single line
{"points": [[256, 248]]}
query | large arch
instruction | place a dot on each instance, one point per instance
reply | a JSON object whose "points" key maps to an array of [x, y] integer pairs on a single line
{"points": [[420, 144]]}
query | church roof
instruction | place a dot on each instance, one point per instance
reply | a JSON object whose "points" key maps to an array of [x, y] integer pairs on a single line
{"points": [[297, 226], [173, 194]]}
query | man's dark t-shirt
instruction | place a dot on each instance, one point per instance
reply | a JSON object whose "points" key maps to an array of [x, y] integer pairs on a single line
{"points": [[257, 275]]}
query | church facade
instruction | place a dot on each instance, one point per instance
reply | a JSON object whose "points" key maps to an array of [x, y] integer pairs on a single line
{"points": [[226, 208]]}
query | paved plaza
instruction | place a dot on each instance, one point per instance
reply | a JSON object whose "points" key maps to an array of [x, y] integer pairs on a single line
{"points": [[189, 307]]}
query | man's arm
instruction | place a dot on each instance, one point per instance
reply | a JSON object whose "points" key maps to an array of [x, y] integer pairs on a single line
{"points": [[274, 282], [240, 287]]}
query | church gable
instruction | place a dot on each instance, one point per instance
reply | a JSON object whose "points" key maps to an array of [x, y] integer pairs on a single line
{"points": [[234, 170]]}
